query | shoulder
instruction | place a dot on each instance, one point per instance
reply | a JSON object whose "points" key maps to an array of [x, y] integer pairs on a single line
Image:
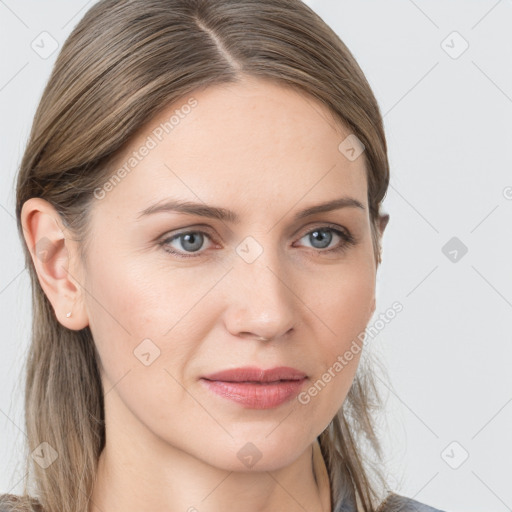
{"points": [[397, 503], [14, 503]]}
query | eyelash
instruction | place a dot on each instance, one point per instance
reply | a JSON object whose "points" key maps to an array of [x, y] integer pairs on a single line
{"points": [[347, 238]]}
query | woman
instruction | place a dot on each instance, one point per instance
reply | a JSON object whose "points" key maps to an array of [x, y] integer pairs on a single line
{"points": [[200, 206]]}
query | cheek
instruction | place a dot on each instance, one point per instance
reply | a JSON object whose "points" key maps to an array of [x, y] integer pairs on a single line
{"points": [[145, 330], [346, 301], [141, 313], [345, 307]]}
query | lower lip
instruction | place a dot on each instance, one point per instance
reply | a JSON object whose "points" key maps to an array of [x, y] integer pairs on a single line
{"points": [[256, 396]]}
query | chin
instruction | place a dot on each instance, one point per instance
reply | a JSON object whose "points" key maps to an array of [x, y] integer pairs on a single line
{"points": [[246, 453]]}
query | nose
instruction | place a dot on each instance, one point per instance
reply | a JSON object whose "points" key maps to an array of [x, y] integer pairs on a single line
{"points": [[260, 300]]}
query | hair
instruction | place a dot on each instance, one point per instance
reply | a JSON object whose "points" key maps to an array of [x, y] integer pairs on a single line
{"points": [[121, 65]]}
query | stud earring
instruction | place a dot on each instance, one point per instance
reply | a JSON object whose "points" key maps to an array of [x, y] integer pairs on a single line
{"points": [[68, 314]]}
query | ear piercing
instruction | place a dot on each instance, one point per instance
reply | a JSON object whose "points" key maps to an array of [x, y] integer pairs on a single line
{"points": [[68, 314]]}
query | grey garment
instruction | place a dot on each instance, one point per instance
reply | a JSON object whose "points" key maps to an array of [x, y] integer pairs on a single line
{"points": [[393, 503], [397, 503]]}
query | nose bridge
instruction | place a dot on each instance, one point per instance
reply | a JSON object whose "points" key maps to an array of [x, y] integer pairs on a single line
{"points": [[261, 301]]}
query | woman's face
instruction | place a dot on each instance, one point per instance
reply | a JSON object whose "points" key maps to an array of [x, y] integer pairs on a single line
{"points": [[173, 296]]}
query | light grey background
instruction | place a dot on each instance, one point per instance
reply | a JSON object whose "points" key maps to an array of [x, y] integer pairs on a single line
{"points": [[447, 118]]}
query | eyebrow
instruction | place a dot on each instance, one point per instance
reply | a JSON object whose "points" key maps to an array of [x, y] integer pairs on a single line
{"points": [[203, 210]]}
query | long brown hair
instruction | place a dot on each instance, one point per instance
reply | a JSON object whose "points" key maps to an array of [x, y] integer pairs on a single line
{"points": [[124, 62]]}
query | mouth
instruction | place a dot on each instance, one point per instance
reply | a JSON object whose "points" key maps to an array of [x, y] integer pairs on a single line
{"points": [[256, 375], [256, 395], [263, 383]]}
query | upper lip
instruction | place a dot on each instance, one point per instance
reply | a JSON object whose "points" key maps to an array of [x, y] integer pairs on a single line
{"points": [[254, 374]]}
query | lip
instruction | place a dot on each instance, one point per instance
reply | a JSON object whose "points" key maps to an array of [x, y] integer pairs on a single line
{"points": [[254, 374], [255, 388]]}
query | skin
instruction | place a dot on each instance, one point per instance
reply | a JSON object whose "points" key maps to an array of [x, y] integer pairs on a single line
{"points": [[265, 152]]}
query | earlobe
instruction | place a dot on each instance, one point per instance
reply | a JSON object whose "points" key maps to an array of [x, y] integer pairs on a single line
{"points": [[52, 254]]}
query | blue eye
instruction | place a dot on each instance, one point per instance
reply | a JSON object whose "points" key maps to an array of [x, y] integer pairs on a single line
{"points": [[192, 241], [319, 235]]}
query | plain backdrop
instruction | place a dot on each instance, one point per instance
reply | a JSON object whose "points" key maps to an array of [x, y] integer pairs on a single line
{"points": [[442, 74]]}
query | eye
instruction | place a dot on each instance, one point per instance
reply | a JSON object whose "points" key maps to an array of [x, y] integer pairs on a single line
{"points": [[190, 241], [322, 236]]}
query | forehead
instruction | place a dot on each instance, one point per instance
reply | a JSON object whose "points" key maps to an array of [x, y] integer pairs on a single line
{"points": [[263, 139]]}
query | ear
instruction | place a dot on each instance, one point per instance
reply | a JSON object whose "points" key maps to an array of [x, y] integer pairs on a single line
{"points": [[383, 222], [55, 260]]}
